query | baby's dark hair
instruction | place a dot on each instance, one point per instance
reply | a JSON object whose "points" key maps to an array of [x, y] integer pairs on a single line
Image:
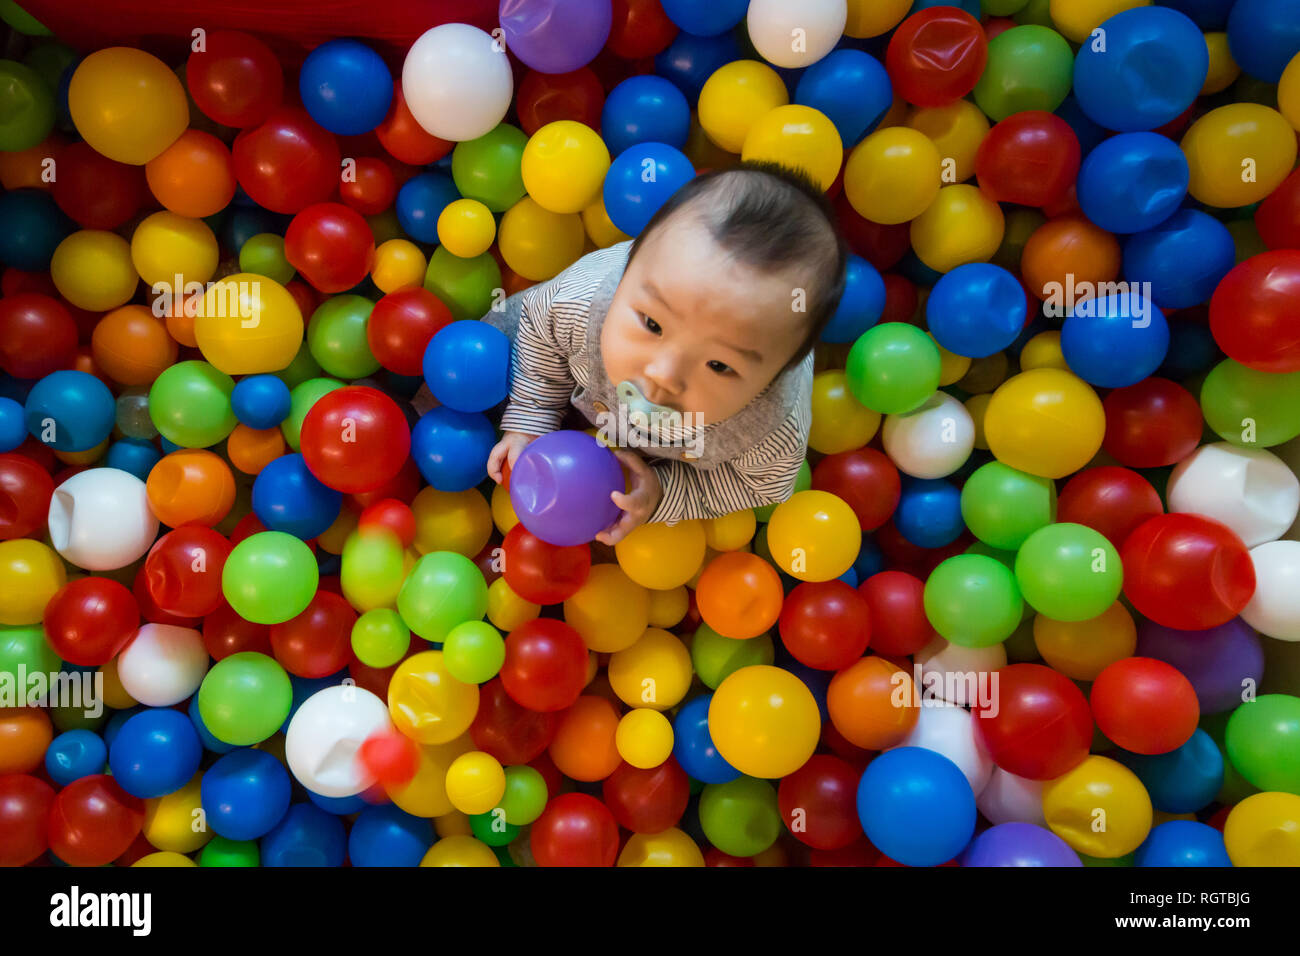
{"points": [[769, 216]]}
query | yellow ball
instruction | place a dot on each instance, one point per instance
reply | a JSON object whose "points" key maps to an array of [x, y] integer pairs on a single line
{"points": [[1264, 830], [30, 573], [460, 851], [735, 97], [506, 610], [660, 556], [600, 228], [871, 18], [425, 794], [459, 521], [564, 165], [538, 243], [115, 694], [127, 104], [644, 738], [655, 672], [962, 225], [764, 721], [1076, 19], [172, 250], [671, 847], [799, 137], [978, 405], [1238, 154], [956, 129], [164, 858], [503, 512], [893, 175], [1045, 421], [246, 324], [732, 531], [333, 538], [1043, 351], [667, 608], [427, 703], [385, 226], [453, 824], [839, 421], [1223, 70], [610, 611], [466, 228], [814, 536], [1099, 808], [399, 264], [92, 269], [476, 782], [170, 822], [1288, 92], [1083, 649], [89, 456], [952, 367]]}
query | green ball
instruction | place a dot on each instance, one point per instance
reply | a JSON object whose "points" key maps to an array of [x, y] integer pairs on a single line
{"points": [[300, 369], [49, 60], [1002, 506], [474, 652], [1250, 408], [270, 577], [221, 851], [1263, 742], [1001, 8], [1030, 67], [26, 107], [1069, 572], [379, 638], [526, 795], [973, 600], [372, 567], [24, 647], [263, 255], [336, 336], [492, 828], [443, 589], [802, 482], [190, 404], [245, 698], [489, 168], [301, 398], [466, 286], [1037, 12], [716, 658], [893, 368], [740, 817], [74, 717]]}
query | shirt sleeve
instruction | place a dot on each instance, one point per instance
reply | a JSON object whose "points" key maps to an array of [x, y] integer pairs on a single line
{"points": [[541, 381]]}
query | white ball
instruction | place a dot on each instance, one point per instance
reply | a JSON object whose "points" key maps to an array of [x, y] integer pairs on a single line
{"points": [[933, 441], [325, 735], [959, 675], [951, 731], [100, 519], [1274, 610], [163, 664], [796, 32], [457, 82], [1011, 799], [1250, 490]]}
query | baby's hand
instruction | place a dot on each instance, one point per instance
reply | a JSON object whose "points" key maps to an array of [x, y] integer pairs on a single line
{"points": [[505, 452], [638, 503]]}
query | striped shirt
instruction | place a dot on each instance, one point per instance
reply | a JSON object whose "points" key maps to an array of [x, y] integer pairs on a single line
{"points": [[745, 461]]}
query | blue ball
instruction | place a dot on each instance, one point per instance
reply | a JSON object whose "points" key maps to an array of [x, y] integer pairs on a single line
{"points": [[209, 742], [870, 560], [346, 87], [306, 836], [852, 88], [916, 806], [260, 401], [1209, 15], [33, 228], [691, 59], [75, 754], [705, 19], [451, 448], [929, 512], [976, 309], [70, 411], [243, 222], [1089, 134], [1182, 843], [1263, 36], [13, 425], [630, 200], [134, 455], [116, 721], [155, 753], [1116, 340], [388, 836], [467, 366], [1132, 182], [861, 305], [244, 794], [645, 109], [1143, 71], [339, 806], [970, 6], [1184, 258], [421, 201], [693, 745], [287, 497], [1192, 350], [1184, 780]]}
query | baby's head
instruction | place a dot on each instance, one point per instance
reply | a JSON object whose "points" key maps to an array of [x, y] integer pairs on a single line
{"points": [[730, 284]]}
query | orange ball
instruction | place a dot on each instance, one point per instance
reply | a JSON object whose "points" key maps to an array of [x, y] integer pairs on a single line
{"points": [[872, 703], [131, 346], [194, 176], [191, 486], [739, 595], [25, 735], [583, 746], [252, 449], [27, 168], [180, 320], [1065, 246]]}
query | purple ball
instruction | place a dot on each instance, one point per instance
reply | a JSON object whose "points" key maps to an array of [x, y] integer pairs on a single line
{"points": [[555, 36], [1216, 661], [560, 486], [1019, 844]]}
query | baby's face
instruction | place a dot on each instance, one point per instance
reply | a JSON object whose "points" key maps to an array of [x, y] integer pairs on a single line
{"points": [[694, 329]]}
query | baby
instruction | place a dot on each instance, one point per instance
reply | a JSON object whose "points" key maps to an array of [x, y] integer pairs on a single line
{"points": [[691, 343]]}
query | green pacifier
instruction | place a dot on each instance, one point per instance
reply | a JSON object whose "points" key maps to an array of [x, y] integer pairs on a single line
{"points": [[630, 397]]}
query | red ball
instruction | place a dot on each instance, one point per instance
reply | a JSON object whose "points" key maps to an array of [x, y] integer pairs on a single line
{"points": [[882, 245], [235, 79], [540, 572], [575, 830], [825, 624], [318, 642], [859, 853], [89, 620], [37, 335], [1145, 705], [331, 245], [150, 611], [1030, 158], [25, 492], [97, 192], [401, 326], [183, 570], [392, 514], [1278, 217], [546, 97], [647, 801], [93, 821], [936, 56], [546, 665], [226, 633], [371, 187], [1037, 724], [864, 479], [1187, 571], [640, 28], [25, 804], [355, 439], [1254, 315], [896, 606], [1108, 499], [507, 730], [391, 758], [1151, 424], [401, 487], [288, 162], [819, 803]]}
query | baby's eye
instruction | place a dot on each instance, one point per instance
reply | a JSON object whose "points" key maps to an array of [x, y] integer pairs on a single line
{"points": [[720, 367], [651, 324]]}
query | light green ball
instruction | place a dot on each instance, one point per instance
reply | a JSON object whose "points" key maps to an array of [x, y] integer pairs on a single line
{"points": [[893, 368], [715, 658], [245, 698], [1002, 506], [336, 336], [973, 600], [1069, 572], [190, 404], [380, 638], [474, 652], [740, 817], [270, 577], [443, 589]]}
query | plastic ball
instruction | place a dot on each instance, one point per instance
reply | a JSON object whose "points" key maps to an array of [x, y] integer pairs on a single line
{"points": [[451, 448], [936, 56], [333, 721], [893, 175], [32, 573], [961, 226], [1045, 422], [1144, 705], [1019, 844], [1248, 407], [931, 441], [575, 830], [465, 228], [893, 368], [473, 652], [1263, 37], [1132, 182], [163, 664], [739, 595], [870, 703], [155, 753], [812, 536], [797, 136], [1273, 609], [1029, 68], [100, 519], [73, 755], [92, 821], [331, 245], [1003, 506], [345, 86], [89, 620], [1249, 312], [455, 82], [286, 162], [444, 589], [127, 104], [968, 581], [1031, 697], [1218, 661], [1231, 140], [633, 194], [245, 698], [659, 556], [245, 794], [1260, 830], [916, 806], [1250, 490], [1073, 801], [976, 310], [270, 577], [929, 513], [466, 366], [1068, 572], [1030, 158]]}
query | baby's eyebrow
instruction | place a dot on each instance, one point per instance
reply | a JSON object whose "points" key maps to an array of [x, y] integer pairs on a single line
{"points": [[751, 354]]}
